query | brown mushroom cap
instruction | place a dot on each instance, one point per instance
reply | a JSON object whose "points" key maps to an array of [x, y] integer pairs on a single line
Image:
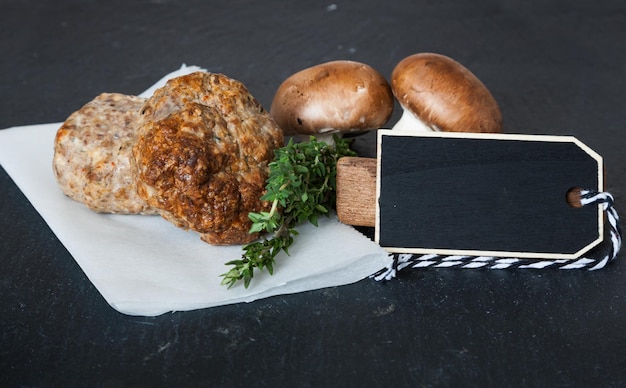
{"points": [[337, 96], [444, 95]]}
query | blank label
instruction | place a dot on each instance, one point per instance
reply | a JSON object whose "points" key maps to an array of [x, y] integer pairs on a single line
{"points": [[485, 194]]}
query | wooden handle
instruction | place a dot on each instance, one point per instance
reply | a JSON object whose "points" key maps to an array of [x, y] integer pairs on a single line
{"points": [[356, 191]]}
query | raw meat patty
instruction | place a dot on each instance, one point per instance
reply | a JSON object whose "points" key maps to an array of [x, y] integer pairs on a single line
{"points": [[92, 153]]}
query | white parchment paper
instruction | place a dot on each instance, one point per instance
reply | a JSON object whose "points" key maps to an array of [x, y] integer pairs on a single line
{"points": [[143, 265]]}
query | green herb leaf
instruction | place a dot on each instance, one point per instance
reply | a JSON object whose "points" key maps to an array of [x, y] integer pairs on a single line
{"points": [[301, 186]]}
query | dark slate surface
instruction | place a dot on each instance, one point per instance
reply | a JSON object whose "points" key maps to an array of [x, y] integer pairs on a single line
{"points": [[555, 67]]}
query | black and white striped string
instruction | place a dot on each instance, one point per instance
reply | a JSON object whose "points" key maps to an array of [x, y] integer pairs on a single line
{"points": [[400, 262]]}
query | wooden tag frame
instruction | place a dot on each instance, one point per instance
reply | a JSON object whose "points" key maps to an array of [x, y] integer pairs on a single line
{"points": [[518, 253]]}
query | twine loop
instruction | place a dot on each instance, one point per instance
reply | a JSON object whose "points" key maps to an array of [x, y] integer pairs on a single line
{"points": [[403, 261]]}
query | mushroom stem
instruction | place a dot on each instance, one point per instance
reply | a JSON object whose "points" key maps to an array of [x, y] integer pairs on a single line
{"points": [[410, 122]]}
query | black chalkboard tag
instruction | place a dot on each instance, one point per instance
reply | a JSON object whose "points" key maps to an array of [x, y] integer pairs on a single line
{"points": [[474, 194]]}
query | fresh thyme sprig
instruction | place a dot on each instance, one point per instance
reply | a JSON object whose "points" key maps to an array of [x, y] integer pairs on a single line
{"points": [[301, 187]]}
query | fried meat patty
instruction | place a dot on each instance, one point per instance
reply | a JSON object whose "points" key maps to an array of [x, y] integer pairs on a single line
{"points": [[92, 153], [202, 154]]}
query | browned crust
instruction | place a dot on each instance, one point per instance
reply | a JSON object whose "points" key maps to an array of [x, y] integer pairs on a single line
{"points": [[202, 155]]}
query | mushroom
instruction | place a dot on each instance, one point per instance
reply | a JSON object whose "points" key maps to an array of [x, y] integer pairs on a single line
{"points": [[332, 97], [439, 94]]}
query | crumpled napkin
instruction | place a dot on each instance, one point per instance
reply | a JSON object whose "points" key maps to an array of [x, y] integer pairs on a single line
{"points": [[143, 265]]}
